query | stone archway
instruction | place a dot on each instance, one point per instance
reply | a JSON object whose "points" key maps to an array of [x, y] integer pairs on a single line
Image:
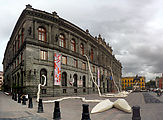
{"points": [[64, 79], [84, 81], [43, 72], [75, 77]]}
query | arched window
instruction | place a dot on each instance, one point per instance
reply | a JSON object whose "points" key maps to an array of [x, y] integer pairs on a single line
{"points": [[22, 35], [15, 80], [21, 78], [64, 79], [75, 77], [81, 49], [104, 87], [92, 54], [62, 41], [18, 42], [18, 78], [73, 45], [43, 72], [93, 85], [84, 81], [41, 34]]}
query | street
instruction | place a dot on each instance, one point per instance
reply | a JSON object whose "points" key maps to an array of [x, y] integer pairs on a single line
{"points": [[72, 109]]}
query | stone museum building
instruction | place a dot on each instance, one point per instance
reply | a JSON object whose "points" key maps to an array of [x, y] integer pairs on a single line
{"points": [[43, 43]]}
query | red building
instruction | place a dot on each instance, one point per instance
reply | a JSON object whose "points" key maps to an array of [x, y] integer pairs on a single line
{"points": [[159, 82]]}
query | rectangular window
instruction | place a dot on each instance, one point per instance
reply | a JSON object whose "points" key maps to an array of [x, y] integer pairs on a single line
{"points": [[15, 64], [21, 57], [92, 54], [73, 45], [81, 49], [43, 91], [93, 68], [22, 35], [62, 41], [18, 42], [18, 61], [44, 55], [64, 60], [42, 34], [83, 66], [75, 63], [13, 49], [64, 90], [15, 46]]}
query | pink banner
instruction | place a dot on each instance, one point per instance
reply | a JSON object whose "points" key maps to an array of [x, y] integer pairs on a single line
{"points": [[98, 77], [57, 69]]}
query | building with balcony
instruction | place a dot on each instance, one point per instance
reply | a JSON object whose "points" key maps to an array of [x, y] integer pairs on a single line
{"points": [[43, 43]]}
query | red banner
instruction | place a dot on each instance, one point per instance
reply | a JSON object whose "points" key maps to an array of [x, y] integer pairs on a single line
{"points": [[57, 69]]}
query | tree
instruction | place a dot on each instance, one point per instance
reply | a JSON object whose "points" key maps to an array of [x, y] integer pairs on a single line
{"points": [[150, 84]]}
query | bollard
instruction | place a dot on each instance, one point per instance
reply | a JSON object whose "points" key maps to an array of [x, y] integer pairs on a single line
{"points": [[85, 114], [40, 106], [15, 97], [19, 100], [23, 101], [12, 96], [56, 113], [136, 113], [30, 105]]}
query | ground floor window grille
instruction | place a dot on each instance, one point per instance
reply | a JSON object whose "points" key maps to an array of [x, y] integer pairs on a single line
{"points": [[84, 90], [64, 91], [43, 91], [75, 91]]}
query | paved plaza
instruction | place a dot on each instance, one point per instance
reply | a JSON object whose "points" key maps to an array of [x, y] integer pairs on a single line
{"points": [[72, 109]]}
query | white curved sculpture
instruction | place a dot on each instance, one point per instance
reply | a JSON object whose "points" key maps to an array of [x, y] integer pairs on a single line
{"points": [[40, 85], [102, 106], [122, 104]]}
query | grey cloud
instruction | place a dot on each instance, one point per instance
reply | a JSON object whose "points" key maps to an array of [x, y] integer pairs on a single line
{"points": [[128, 26]]}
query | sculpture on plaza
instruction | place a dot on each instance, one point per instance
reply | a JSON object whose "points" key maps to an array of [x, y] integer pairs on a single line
{"points": [[103, 105]]}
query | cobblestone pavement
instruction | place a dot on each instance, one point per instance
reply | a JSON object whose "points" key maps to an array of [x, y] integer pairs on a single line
{"points": [[72, 109]]}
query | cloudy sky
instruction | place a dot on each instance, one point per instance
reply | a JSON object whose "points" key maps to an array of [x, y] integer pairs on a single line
{"points": [[134, 28]]}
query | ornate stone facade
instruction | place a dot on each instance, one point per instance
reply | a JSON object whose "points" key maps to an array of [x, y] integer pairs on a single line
{"points": [[37, 36]]}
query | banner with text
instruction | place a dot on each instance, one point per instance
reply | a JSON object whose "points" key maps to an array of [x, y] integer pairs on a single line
{"points": [[57, 69]]}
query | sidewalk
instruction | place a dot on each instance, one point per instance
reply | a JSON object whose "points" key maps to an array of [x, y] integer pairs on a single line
{"points": [[71, 109], [11, 109]]}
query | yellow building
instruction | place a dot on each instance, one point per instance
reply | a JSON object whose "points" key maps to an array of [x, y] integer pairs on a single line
{"points": [[128, 82]]}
